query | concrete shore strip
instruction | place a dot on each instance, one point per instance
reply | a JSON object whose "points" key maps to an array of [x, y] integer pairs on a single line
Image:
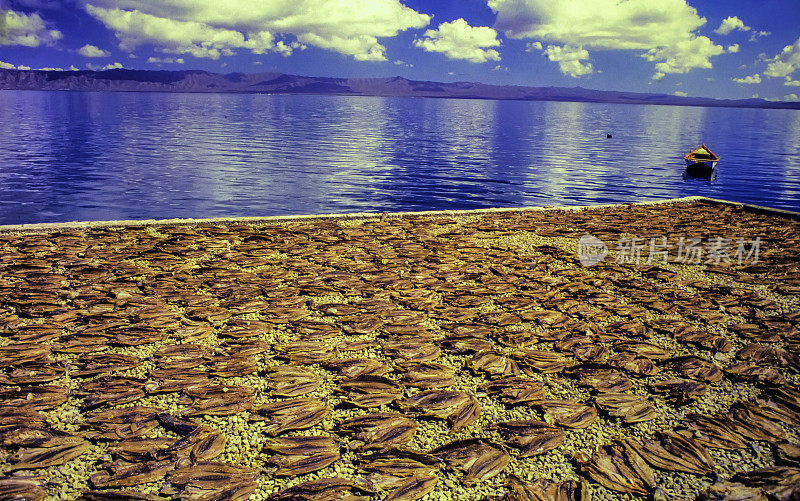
{"points": [[366, 215], [446, 355]]}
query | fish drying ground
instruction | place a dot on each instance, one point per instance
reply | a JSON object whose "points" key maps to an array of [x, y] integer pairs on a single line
{"points": [[439, 356]]}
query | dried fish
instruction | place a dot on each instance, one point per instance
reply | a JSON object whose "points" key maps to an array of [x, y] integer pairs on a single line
{"points": [[494, 364], [411, 350], [14, 416], [121, 423], [22, 488], [241, 348], [427, 375], [714, 432], [619, 468], [408, 473], [546, 490], [110, 390], [750, 422], [413, 487], [39, 398], [674, 452], [201, 443], [379, 430], [460, 408], [465, 414], [567, 413], [751, 371], [362, 324], [643, 349], [35, 436], [39, 371], [479, 459], [122, 474], [42, 457], [324, 488], [239, 328], [137, 450], [696, 368], [788, 453], [706, 340], [680, 390], [632, 364], [371, 391], [350, 368], [774, 411], [546, 362], [103, 363], [218, 400], [778, 482], [291, 381], [302, 454], [602, 379], [109, 495], [204, 480], [532, 436], [175, 380], [515, 390], [305, 352], [292, 414], [15, 354], [631, 408], [732, 491]]}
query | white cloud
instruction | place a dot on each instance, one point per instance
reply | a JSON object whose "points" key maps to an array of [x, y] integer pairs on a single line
{"points": [[731, 23], [71, 68], [29, 30], [684, 56], [752, 79], [165, 60], [109, 66], [286, 50], [732, 49], [92, 51], [459, 40], [532, 46], [662, 31], [570, 60], [791, 83], [680, 93], [210, 28], [786, 63], [791, 97], [9, 66]]}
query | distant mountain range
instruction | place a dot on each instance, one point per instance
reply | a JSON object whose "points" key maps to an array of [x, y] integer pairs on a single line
{"points": [[123, 80]]}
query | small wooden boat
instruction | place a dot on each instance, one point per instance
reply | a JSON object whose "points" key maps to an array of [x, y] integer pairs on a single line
{"points": [[701, 161]]}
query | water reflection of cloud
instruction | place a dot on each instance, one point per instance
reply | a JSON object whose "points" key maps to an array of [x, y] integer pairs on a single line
{"points": [[69, 156]]}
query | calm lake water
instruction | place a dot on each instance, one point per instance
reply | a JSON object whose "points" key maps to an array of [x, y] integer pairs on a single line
{"points": [[99, 156]]}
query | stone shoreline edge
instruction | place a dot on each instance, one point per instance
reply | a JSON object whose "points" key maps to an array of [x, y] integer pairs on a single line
{"points": [[45, 227]]}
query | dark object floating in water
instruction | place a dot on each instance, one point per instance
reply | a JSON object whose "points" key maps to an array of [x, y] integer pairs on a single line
{"points": [[700, 162], [608, 136]]}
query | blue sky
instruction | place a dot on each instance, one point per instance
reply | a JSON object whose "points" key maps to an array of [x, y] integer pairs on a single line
{"points": [[708, 48]]}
